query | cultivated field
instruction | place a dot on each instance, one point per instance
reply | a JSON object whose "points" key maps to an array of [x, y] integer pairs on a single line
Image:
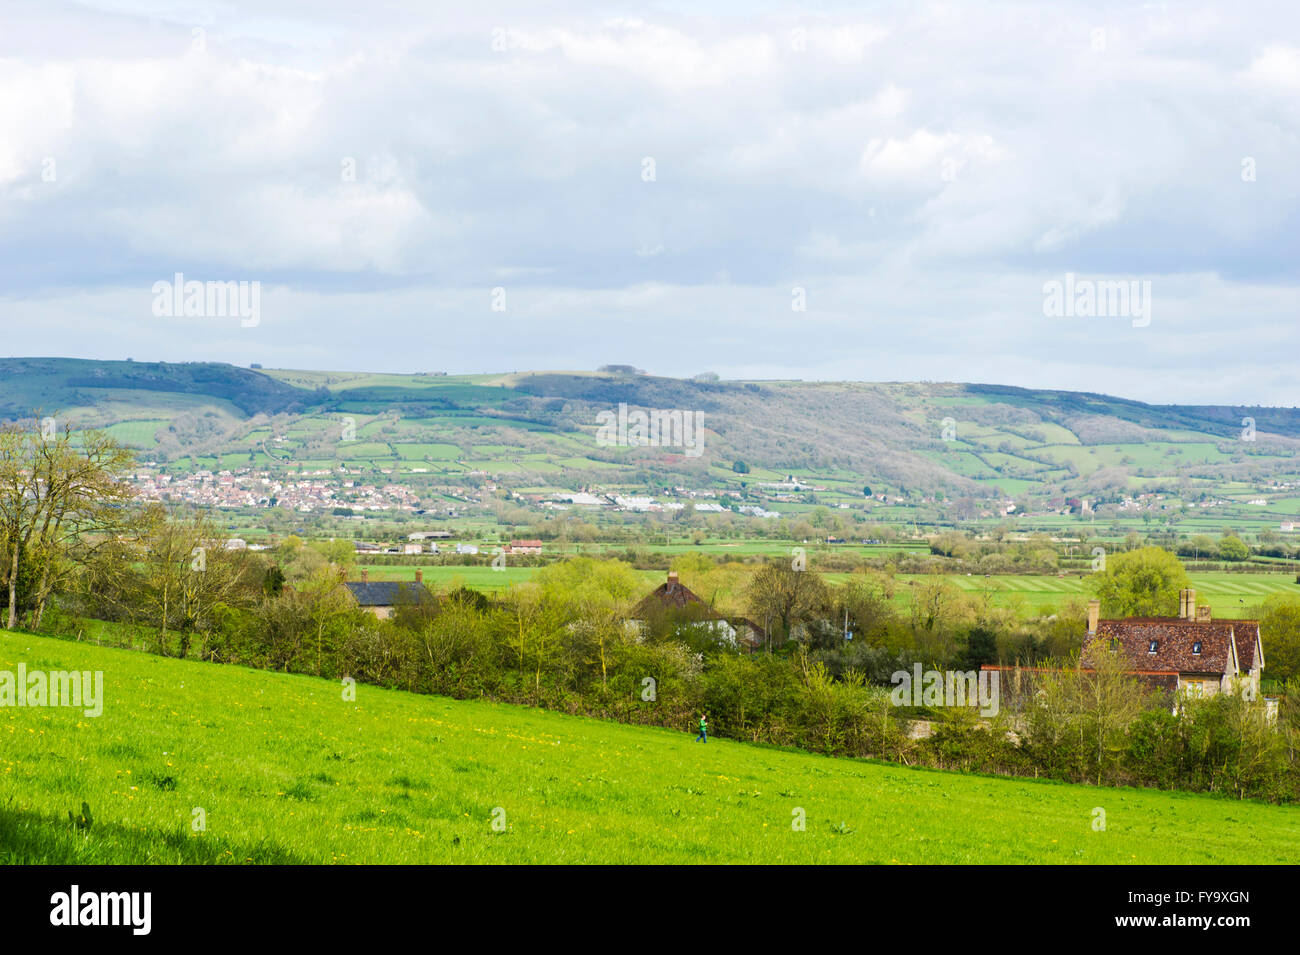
{"points": [[286, 770]]}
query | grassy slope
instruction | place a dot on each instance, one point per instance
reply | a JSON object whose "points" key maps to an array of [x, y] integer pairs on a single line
{"points": [[287, 771]]}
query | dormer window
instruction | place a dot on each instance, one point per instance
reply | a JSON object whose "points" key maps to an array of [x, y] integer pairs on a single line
{"points": [[1153, 646], [1196, 647]]}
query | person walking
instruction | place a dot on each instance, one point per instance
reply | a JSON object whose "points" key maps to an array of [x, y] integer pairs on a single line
{"points": [[704, 729]]}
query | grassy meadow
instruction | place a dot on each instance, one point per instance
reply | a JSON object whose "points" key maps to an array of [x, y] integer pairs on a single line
{"points": [[1229, 595], [286, 770]]}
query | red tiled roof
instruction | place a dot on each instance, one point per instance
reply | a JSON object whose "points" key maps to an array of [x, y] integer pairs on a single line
{"points": [[1176, 641], [1247, 632], [670, 595]]}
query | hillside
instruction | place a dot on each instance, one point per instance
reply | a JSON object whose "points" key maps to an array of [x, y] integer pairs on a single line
{"points": [[964, 444], [285, 770]]}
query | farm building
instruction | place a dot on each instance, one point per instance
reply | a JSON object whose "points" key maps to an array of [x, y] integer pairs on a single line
{"points": [[524, 547]]}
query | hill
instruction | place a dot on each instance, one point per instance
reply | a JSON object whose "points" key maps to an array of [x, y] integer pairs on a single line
{"points": [[962, 446], [284, 769]]}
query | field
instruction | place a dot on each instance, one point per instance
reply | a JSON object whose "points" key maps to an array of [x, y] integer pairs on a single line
{"points": [[1228, 595], [285, 770]]}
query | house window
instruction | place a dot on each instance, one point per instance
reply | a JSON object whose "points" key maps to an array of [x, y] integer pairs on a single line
{"points": [[1196, 647], [1155, 645], [1194, 688]]}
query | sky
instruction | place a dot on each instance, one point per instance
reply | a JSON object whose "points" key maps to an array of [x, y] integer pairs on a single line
{"points": [[859, 191]]}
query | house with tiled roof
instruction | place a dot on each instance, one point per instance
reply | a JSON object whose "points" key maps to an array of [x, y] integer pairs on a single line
{"points": [[1193, 653], [673, 598], [382, 597]]}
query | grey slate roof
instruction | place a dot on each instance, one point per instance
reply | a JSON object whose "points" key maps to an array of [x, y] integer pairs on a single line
{"points": [[388, 593]]}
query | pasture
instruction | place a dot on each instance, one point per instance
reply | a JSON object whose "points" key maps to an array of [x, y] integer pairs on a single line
{"points": [[281, 768]]}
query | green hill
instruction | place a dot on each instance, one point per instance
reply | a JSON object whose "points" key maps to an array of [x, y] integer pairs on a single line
{"points": [[965, 443], [284, 769]]}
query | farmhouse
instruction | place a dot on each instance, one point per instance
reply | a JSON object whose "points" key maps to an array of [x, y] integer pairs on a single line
{"points": [[524, 547], [1197, 655], [673, 598], [382, 597]]}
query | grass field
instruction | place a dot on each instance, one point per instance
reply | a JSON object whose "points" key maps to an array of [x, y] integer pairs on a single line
{"points": [[285, 770], [1228, 595]]}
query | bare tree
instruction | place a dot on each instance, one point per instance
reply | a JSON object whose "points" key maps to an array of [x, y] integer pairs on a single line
{"points": [[62, 498]]}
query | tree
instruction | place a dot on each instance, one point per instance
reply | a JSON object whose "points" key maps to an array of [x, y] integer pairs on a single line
{"points": [[1079, 716], [1202, 545], [979, 647], [1139, 583], [1279, 633], [188, 574], [740, 467], [591, 595], [1232, 547], [59, 504], [784, 596]]}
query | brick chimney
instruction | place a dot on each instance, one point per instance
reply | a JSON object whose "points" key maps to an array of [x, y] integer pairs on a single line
{"points": [[672, 580], [365, 576], [1187, 604], [419, 576], [1094, 614]]}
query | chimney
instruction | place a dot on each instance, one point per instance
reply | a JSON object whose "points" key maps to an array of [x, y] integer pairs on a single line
{"points": [[419, 576], [1191, 604], [365, 576], [1094, 614], [672, 580], [1203, 614]]}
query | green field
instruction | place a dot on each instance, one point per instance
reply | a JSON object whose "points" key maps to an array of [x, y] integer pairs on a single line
{"points": [[1228, 595], [285, 770]]}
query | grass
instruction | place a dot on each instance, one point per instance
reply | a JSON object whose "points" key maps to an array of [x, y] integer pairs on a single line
{"points": [[285, 769], [1228, 595]]}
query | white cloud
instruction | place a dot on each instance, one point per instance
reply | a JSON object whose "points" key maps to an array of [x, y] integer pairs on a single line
{"points": [[916, 173]]}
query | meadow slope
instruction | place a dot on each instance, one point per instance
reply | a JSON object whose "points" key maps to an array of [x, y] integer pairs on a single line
{"points": [[285, 770]]}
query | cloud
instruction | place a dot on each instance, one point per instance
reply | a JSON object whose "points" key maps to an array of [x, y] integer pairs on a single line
{"points": [[916, 169]]}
